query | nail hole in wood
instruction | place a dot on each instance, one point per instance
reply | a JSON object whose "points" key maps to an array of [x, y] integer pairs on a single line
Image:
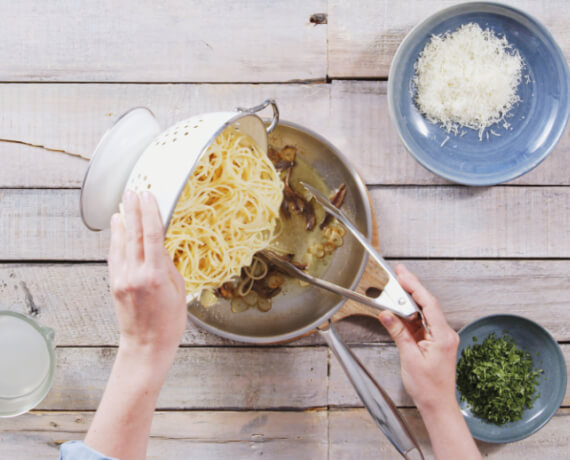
{"points": [[319, 18]]}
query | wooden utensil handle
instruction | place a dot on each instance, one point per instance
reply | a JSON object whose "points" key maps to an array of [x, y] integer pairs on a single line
{"points": [[372, 282]]}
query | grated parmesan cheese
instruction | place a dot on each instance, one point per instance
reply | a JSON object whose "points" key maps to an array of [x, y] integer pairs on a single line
{"points": [[467, 78]]}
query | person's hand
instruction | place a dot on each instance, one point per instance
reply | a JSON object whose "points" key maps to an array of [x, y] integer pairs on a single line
{"points": [[150, 302], [427, 360], [148, 291]]}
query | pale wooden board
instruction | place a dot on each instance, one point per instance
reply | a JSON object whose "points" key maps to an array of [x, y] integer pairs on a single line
{"points": [[360, 126], [340, 434], [40, 224], [202, 378], [168, 41], [363, 39], [383, 362], [524, 222], [174, 435], [353, 434], [352, 115], [73, 117], [74, 299]]}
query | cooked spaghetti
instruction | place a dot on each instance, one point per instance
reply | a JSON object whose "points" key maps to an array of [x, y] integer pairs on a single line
{"points": [[227, 212]]}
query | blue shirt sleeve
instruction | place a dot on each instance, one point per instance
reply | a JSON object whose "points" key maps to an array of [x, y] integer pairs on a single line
{"points": [[77, 450]]}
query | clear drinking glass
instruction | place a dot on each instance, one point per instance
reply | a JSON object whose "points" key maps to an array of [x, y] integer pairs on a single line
{"points": [[27, 363]]}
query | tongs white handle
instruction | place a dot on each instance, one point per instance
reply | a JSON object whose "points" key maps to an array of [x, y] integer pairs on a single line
{"points": [[393, 296]]}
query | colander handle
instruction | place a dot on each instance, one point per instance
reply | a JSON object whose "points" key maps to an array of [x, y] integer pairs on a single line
{"points": [[260, 107]]}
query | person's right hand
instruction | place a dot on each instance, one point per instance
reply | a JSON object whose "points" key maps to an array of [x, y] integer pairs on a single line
{"points": [[150, 303], [427, 360], [148, 291]]}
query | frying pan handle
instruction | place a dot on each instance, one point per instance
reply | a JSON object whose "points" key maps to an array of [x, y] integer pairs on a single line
{"points": [[375, 399]]}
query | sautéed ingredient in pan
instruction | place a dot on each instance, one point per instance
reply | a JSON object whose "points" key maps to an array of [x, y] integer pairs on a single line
{"points": [[307, 236]]}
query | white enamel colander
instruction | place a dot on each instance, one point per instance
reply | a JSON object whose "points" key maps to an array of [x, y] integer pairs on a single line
{"points": [[136, 154]]}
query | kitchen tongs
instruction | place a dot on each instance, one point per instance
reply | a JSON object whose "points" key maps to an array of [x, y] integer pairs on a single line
{"points": [[393, 297]]}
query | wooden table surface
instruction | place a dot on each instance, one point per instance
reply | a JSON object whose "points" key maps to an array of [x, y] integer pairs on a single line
{"points": [[70, 68]]}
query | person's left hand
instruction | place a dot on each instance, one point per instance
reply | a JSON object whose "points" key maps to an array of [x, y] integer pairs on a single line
{"points": [[148, 291]]}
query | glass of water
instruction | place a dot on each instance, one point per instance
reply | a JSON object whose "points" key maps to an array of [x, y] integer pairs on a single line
{"points": [[27, 363]]}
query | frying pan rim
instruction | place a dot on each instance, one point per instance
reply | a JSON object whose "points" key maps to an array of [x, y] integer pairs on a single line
{"points": [[297, 334]]}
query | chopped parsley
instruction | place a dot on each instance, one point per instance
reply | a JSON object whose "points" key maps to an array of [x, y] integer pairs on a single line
{"points": [[497, 379]]}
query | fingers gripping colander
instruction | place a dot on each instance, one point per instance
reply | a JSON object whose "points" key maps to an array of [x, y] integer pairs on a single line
{"points": [[135, 154]]}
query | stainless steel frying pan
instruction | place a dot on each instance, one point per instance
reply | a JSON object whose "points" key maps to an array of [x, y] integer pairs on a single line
{"points": [[296, 313], [135, 153]]}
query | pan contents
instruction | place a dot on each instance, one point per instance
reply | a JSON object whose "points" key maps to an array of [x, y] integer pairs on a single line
{"points": [[305, 235], [497, 379], [227, 212], [468, 78]]}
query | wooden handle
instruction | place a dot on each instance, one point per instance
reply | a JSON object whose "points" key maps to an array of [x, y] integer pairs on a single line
{"points": [[372, 282]]}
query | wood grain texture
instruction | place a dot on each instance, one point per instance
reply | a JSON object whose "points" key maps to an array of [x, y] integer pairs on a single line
{"points": [[525, 222], [46, 224], [362, 41], [202, 378], [72, 118], [383, 362], [416, 222], [246, 401], [338, 434], [74, 299], [170, 41], [174, 435], [353, 434], [360, 126]]}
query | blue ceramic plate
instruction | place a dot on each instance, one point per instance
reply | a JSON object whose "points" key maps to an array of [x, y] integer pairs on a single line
{"points": [[546, 355], [537, 122]]}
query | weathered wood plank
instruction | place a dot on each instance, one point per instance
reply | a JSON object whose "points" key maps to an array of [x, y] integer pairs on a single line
{"points": [[202, 378], [170, 41], [474, 222], [73, 117], [280, 435], [360, 126], [363, 39], [520, 222], [468, 290], [353, 434], [40, 224], [383, 362], [74, 299], [189, 435]]}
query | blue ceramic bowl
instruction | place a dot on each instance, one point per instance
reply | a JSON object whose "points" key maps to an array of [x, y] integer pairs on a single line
{"points": [[546, 355], [537, 122]]}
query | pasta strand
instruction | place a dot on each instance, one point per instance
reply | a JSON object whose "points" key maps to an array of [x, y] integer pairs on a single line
{"points": [[227, 212]]}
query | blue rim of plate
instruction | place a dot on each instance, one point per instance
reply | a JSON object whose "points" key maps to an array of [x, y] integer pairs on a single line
{"points": [[563, 382], [432, 22]]}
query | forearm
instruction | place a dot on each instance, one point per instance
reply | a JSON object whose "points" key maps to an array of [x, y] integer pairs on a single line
{"points": [[122, 423], [449, 435]]}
